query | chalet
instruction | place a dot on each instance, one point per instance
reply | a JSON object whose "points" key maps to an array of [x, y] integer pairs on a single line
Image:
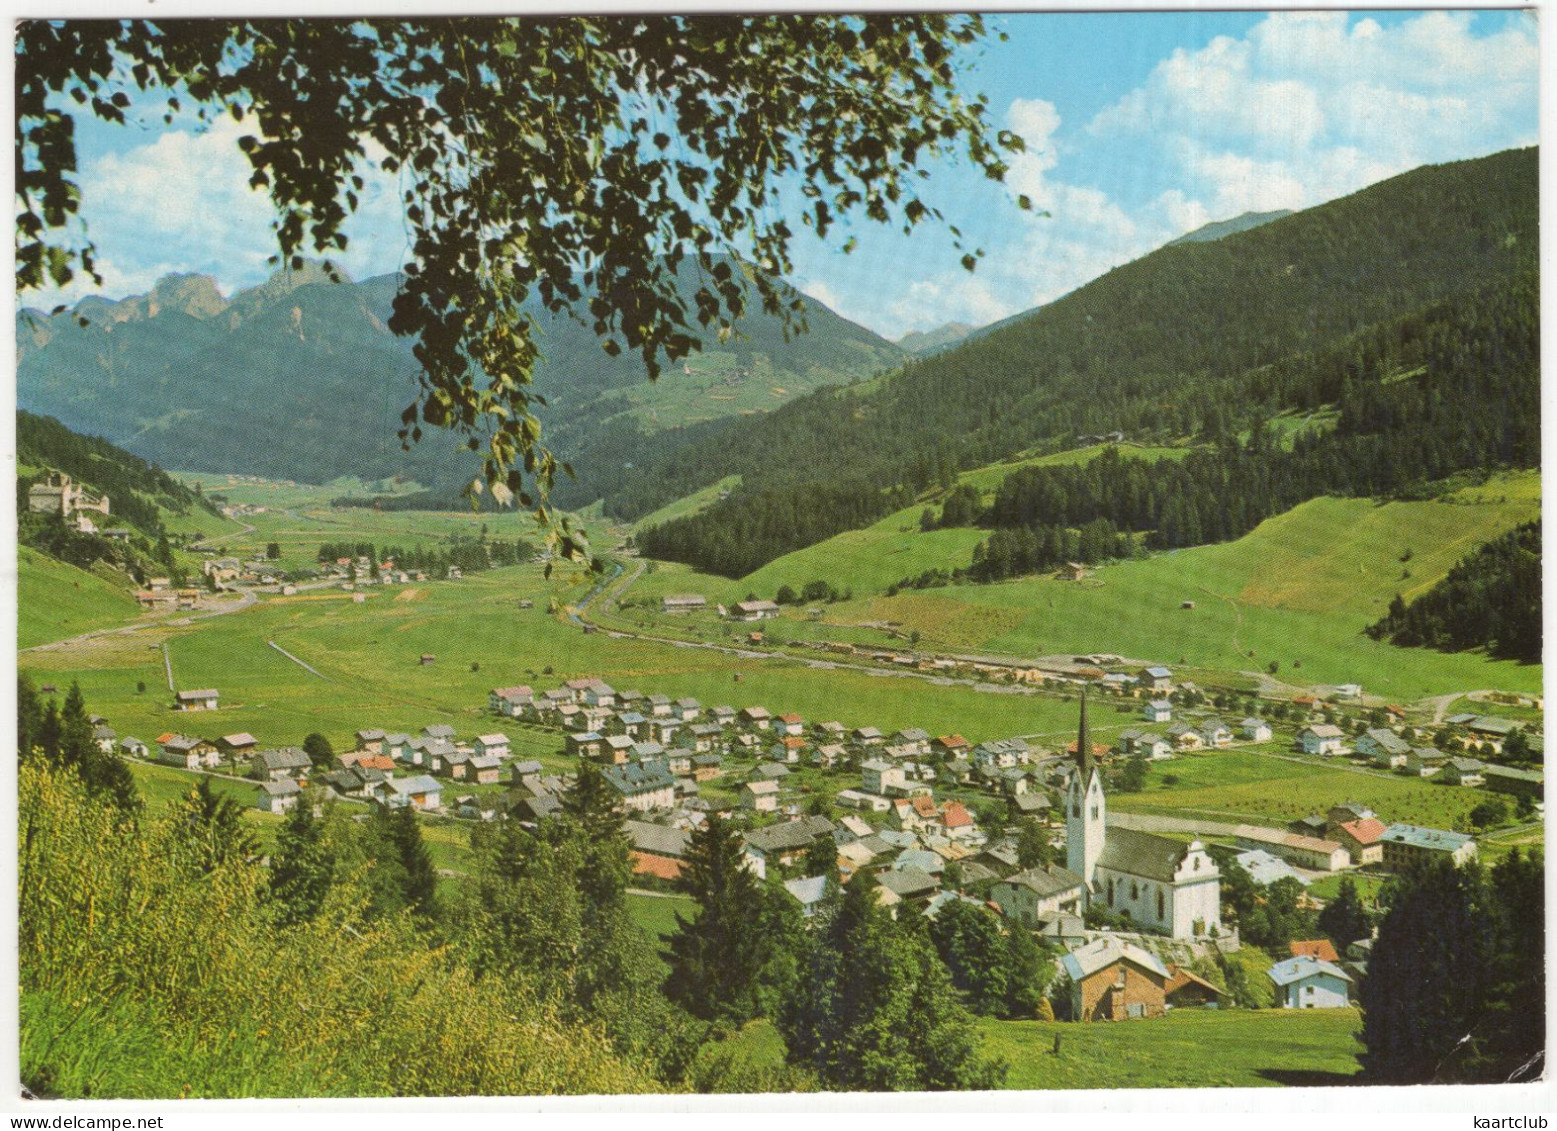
{"points": [[186, 753], [914, 740], [755, 718], [788, 749], [418, 792], [370, 740], [661, 729], [686, 709], [1185, 737], [829, 756], [439, 730], [830, 731], [598, 694], [1216, 732], [1187, 990], [791, 725], [1384, 748], [1150, 746], [706, 767], [1310, 983], [952, 746], [278, 796], [491, 746], [722, 716], [1158, 711], [1322, 738], [1037, 893], [1322, 949], [1156, 679], [273, 765], [629, 723], [703, 737], [679, 760], [1112, 980], [588, 744], [684, 603], [855, 799], [103, 736], [240, 745], [753, 610], [446, 758], [1255, 730], [1463, 771], [643, 786], [783, 844], [1117, 682], [1015, 781], [133, 747], [1424, 762], [1407, 845], [867, 736], [1506, 779], [1001, 754], [808, 892], [204, 700], [509, 701], [760, 796], [659, 706], [1031, 804], [1348, 811], [474, 808], [397, 746], [1363, 839], [904, 884], [1072, 571], [485, 769]]}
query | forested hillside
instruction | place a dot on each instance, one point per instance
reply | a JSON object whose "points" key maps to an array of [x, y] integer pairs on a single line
{"points": [[1491, 599], [300, 378], [1413, 305]]}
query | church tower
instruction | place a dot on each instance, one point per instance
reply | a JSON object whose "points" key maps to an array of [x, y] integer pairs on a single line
{"points": [[1084, 808]]}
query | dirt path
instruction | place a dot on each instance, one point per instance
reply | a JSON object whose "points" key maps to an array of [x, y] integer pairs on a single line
{"points": [[244, 602]]}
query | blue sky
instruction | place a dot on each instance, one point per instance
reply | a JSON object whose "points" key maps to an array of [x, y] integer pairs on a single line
{"points": [[1140, 126]]}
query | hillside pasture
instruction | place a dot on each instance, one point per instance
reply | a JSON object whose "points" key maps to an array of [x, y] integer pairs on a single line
{"points": [[58, 600]]}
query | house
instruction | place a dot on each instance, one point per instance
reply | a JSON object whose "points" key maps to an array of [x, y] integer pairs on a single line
{"points": [[484, 769], [1156, 678], [753, 610], [1265, 868], [829, 756], [1424, 762], [684, 603], [1314, 853], [951, 746], [1363, 840], [491, 746], [273, 765], [1216, 732], [1407, 845], [439, 731], [808, 892], [1322, 949], [706, 767], [789, 725], [1255, 730], [1322, 738], [760, 796], [204, 700], [867, 736], [755, 718], [474, 808], [510, 701], [588, 744], [1158, 711], [371, 740], [598, 693], [1150, 746], [914, 741], [643, 785], [657, 850], [185, 752], [418, 791], [1383, 747], [132, 747], [1348, 811], [1038, 893], [278, 796], [1463, 771], [659, 706], [104, 736], [879, 777], [784, 843], [907, 884], [1187, 990], [1491, 730], [1307, 982], [1112, 980], [1312, 825], [788, 749], [722, 716], [855, 799], [1185, 737], [1506, 779], [1001, 754], [686, 709]]}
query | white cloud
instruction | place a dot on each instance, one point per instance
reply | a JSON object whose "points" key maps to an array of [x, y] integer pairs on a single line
{"points": [[1310, 106]]}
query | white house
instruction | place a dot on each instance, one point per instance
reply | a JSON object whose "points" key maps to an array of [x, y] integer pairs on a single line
{"points": [[1384, 748], [418, 791], [1256, 730], [1310, 983], [1322, 738], [1158, 711], [492, 745], [278, 796]]}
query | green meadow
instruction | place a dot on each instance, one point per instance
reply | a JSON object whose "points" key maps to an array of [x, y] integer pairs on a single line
{"points": [[58, 600], [1190, 1048]]}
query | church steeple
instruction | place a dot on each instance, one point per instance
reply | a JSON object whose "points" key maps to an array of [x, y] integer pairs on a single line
{"points": [[1084, 757]]}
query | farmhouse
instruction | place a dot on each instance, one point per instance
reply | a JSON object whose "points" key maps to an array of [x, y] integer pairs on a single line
{"points": [[273, 765], [753, 610], [1158, 711], [510, 701], [1463, 771], [278, 796], [418, 792], [204, 700], [185, 752], [1156, 678], [684, 603], [1310, 983], [1186, 990], [760, 796], [491, 745], [1112, 980], [1314, 853], [1322, 738], [1384, 748], [1256, 730]]}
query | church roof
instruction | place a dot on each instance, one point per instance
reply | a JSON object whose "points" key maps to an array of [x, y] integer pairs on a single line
{"points": [[1146, 855]]}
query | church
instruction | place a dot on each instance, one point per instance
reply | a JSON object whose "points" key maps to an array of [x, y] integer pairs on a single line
{"points": [[1158, 884]]}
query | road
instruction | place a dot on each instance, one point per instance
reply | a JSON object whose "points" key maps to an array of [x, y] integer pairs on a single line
{"points": [[245, 600]]}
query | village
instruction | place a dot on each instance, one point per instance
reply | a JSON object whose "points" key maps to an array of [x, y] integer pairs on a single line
{"points": [[1128, 902]]}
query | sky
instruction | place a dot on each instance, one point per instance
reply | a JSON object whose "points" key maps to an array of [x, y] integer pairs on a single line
{"points": [[1140, 126]]}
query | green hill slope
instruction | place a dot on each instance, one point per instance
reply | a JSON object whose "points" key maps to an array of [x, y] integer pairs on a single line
{"points": [[55, 600]]}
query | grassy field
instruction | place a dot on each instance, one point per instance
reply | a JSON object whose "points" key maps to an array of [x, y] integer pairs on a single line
{"points": [[1241, 785], [1186, 1049], [59, 600], [689, 504], [988, 478]]}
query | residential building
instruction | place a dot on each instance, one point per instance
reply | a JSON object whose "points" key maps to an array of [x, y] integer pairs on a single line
{"points": [[1112, 980], [1322, 738], [1038, 893], [204, 700], [1407, 845], [1307, 982], [643, 785]]}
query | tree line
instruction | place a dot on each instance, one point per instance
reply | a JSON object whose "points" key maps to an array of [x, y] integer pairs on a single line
{"points": [[1490, 599], [464, 552]]}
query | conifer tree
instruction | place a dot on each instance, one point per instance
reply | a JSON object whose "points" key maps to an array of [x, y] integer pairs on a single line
{"points": [[302, 867]]}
